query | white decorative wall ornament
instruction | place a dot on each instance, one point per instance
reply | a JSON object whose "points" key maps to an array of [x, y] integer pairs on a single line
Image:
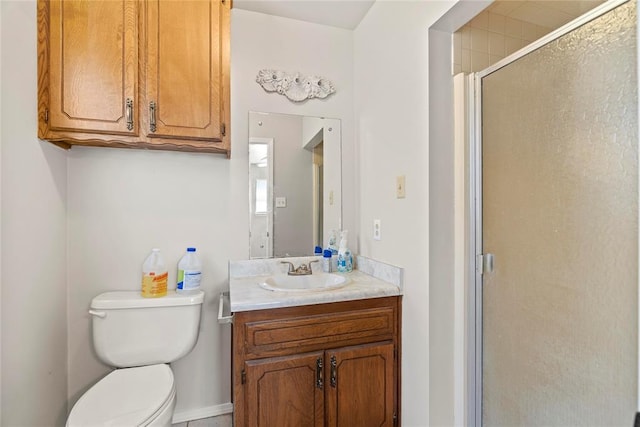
{"points": [[294, 86]]}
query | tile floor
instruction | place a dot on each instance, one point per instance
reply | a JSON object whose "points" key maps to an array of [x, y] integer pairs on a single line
{"points": [[219, 421]]}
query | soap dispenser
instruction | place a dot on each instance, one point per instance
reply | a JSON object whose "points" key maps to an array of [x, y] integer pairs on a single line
{"points": [[345, 259]]}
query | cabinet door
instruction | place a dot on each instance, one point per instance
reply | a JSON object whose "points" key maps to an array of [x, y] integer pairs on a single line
{"points": [[93, 65], [285, 391], [361, 386], [184, 91]]}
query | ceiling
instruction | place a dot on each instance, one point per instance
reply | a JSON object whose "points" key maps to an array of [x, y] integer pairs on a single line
{"points": [[547, 13], [336, 13], [348, 13]]}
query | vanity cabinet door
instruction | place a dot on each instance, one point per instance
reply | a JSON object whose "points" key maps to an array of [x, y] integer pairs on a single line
{"points": [[92, 69], [285, 391], [185, 79], [361, 386]]}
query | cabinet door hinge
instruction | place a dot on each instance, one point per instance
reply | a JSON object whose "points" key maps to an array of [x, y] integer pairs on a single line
{"points": [[223, 129], [243, 377], [395, 419], [46, 115]]}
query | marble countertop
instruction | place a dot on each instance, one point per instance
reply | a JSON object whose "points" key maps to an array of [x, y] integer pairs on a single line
{"points": [[371, 279]]}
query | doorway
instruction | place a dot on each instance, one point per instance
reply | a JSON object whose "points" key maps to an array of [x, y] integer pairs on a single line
{"points": [[556, 231]]}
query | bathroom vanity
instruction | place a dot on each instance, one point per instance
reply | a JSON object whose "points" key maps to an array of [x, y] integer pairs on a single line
{"points": [[316, 358]]}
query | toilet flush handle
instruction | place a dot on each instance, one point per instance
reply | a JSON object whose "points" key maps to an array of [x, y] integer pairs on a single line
{"points": [[100, 314]]}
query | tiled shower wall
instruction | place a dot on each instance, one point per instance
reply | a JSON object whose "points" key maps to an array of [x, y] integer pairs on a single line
{"points": [[490, 37]]}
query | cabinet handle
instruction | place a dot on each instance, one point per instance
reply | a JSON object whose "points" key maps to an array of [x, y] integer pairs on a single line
{"points": [[129, 113], [319, 381], [152, 116], [334, 371]]}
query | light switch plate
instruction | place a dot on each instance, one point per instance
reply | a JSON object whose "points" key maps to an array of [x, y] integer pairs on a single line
{"points": [[400, 191], [281, 202]]}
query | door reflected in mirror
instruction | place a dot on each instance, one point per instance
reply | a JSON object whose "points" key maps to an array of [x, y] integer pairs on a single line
{"points": [[295, 183]]}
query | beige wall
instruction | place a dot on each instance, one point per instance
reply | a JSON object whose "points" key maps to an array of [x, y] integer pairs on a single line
{"points": [[33, 229]]}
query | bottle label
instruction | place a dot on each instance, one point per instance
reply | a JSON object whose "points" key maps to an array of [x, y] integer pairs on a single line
{"points": [[154, 285], [189, 279]]}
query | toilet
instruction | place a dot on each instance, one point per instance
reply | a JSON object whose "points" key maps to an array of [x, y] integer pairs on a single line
{"points": [[138, 336]]}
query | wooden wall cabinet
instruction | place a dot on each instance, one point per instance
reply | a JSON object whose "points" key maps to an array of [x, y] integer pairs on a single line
{"points": [[134, 74], [334, 365]]}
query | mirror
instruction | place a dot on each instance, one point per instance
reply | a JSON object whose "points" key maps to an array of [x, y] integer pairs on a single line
{"points": [[295, 183]]}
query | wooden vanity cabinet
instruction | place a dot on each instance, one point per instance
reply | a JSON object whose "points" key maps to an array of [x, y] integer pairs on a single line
{"points": [[134, 74], [334, 364]]}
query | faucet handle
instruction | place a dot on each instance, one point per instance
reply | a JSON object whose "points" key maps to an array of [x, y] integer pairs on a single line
{"points": [[311, 262], [290, 265]]}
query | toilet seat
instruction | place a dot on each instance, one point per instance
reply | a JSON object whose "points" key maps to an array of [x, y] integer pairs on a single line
{"points": [[125, 397]]}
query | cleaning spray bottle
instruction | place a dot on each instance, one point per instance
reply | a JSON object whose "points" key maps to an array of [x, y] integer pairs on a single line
{"points": [[334, 249], [345, 259], [154, 275]]}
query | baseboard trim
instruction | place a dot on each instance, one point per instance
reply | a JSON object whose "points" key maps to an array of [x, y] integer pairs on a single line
{"points": [[206, 412]]}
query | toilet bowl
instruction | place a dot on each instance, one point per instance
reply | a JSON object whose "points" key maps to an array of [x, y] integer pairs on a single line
{"points": [[140, 336], [143, 396]]}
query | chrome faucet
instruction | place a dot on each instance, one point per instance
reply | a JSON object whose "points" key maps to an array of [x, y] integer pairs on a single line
{"points": [[302, 270]]}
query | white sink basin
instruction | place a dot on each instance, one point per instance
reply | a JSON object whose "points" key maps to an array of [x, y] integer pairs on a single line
{"points": [[311, 283]]}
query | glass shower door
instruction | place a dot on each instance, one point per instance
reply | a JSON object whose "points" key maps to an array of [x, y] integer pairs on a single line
{"points": [[560, 215]]}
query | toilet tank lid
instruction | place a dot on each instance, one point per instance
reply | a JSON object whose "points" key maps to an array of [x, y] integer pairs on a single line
{"points": [[133, 299]]}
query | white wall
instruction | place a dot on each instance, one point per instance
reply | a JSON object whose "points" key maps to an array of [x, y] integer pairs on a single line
{"points": [[111, 224], [122, 203], [446, 379], [33, 230], [261, 41], [392, 111], [0, 215]]}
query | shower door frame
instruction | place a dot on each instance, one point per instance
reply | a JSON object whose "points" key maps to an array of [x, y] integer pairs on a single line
{"points": [[474, 209]]}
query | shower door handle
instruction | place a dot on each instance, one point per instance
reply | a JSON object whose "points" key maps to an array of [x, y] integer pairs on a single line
{"points": [[485, 263]]}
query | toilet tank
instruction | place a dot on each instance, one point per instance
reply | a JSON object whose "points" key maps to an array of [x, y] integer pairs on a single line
{"points": [[129, 330]]}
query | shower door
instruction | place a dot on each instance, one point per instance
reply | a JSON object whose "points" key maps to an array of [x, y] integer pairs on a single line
{"points": [[559, 214]]}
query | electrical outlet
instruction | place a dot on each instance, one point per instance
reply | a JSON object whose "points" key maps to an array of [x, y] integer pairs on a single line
{"points": [[400, 187], [281, 202], [376, 229]]}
